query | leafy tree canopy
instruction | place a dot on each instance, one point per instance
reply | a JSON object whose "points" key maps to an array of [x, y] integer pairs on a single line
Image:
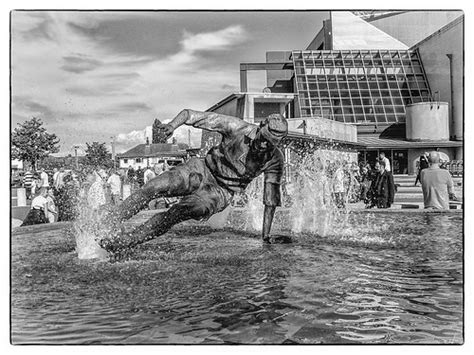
{"points": [[98, 155], [31, 143], [157, 134]]}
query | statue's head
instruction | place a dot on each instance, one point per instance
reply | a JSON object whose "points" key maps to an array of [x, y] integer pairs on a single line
{"points": [[271, 131]]}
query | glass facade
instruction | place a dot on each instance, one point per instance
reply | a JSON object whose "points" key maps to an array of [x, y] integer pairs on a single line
{"points": [[359, 86]]}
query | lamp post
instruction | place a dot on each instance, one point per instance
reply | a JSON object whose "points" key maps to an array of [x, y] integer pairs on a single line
{"points": [[113, 150], [76, 147]]}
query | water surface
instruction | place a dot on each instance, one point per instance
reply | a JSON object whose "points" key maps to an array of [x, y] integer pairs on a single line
{"points": [[378, 278]]}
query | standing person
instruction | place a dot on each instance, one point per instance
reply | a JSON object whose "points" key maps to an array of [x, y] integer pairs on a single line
{"points": [[338, 185], [55, 176], [130, 174], [28, 181], [383, 158], [364, 183], [148, 175], [115, 186], [207, 186], [382, 190], [44, 177], [67, 199], [37, 184], [422, 164], [437, 184], [139, 177], [354, 182], [96, 194], [59, 182], [39, 208], [52, 212], [158, 169]]}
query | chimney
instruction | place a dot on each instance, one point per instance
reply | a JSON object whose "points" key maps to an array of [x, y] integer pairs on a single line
{"points": [[147, 141]]}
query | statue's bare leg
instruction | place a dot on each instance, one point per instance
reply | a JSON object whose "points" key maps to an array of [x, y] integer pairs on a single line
{"points": [[170, 183], [203, 203]]}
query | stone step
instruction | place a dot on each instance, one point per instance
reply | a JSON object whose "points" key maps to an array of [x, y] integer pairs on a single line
{"points": [[409, 189], [413, 195], [408, 205]]}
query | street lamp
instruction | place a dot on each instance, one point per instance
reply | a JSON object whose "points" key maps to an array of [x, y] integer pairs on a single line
{"points": [[76, 147], [113, 149]]}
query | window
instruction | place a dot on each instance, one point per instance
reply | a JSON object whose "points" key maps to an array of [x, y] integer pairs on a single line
{"points": [[125, 161], [373, 85], [138, 160]]}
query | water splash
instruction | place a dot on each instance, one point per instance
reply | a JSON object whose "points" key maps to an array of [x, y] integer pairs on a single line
{"points": [[88, 228], [308, 201]]}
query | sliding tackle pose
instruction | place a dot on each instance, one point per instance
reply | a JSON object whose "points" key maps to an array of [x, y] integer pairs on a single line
{"points": [[207, 186]]}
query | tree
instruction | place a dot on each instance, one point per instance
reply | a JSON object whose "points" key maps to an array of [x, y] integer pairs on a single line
{"points": [[157, 133], [98, 155], [31, 143]]}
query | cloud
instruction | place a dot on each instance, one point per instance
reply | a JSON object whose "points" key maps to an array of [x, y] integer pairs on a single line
{"points": [[184, 134], [33, 26], [27, 108], [213, 41], [89, 91], [220, 40], [80, 63], [135, 137], [133, 106]]}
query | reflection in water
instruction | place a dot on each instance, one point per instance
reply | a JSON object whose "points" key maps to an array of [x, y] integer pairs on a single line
{"points": [[399, 282]]}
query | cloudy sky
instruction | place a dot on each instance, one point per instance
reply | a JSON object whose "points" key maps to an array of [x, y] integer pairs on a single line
{"points": [[93, 75]]}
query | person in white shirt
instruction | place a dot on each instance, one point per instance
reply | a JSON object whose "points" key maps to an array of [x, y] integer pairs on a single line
{"points": [[55, 176], [96, 194], [59, 181], [338, 186], [44, 177], [385, 159], [52, 213], [115, 186], [39, 208], [148, 175]]}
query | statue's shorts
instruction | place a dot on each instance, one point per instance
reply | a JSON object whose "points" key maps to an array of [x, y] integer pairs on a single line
{"points": [[203, 195]]}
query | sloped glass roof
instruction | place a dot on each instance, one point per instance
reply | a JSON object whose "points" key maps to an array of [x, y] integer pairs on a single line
{"points": [[359, 86]]}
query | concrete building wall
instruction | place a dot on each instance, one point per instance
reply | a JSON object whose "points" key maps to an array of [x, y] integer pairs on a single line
{"points": [[279, 80], [231, 108], [411, 27], [427, 121], [323, 39], [433, 53], [324, 128], [351, 32]]}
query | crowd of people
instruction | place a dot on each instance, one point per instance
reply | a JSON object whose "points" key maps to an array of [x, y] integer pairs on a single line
{"points": [[57, 196], [349, 182]]}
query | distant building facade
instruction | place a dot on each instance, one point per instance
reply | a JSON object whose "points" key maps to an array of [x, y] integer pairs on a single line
{"points": [[147, 154], [395, 77]]}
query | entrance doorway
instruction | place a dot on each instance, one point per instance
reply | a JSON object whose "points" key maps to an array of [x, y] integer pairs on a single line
{"points": [[398, 159]]}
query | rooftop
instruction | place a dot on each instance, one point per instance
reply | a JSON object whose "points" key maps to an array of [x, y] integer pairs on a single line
{"points": [[157, 149]]}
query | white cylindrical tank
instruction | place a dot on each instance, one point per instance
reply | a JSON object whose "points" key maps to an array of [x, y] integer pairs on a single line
{"points": [[427, 121]]}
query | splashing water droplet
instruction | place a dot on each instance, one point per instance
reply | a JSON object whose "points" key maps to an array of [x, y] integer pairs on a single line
{"points": [[89, 228]]}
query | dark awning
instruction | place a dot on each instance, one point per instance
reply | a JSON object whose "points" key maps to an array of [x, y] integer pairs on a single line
{"points": [[373, 142]]}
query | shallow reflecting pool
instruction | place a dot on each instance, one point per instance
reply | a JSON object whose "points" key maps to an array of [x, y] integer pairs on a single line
{"points": [[380, 278]]}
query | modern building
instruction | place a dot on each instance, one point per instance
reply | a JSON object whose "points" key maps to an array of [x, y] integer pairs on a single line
{"points": [[395, 78]]}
